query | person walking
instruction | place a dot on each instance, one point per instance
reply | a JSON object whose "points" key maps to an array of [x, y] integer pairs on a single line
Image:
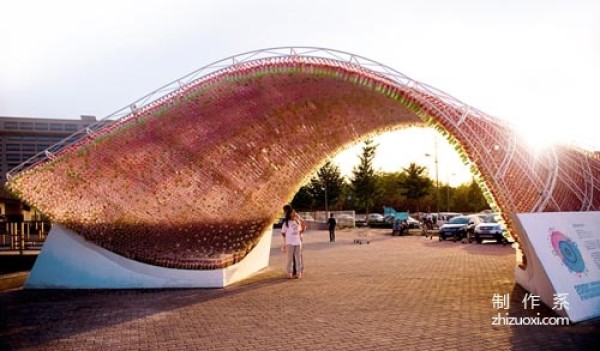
{"points": [[331, 222], [291, 230]]}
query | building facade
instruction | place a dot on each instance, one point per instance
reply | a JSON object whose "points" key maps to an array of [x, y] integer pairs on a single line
{"points": [[22, 138]]}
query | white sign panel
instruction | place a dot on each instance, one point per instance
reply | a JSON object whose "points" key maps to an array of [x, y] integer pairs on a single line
{"points": [[567, 245]]}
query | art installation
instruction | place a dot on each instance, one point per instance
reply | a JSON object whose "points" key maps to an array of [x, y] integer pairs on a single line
{"points": [[191, 180]]}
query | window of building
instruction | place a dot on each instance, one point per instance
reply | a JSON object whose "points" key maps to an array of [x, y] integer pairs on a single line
{"points": [[41, 126], [56, 126], [13, 147], [70, 127], [26, 125], [27, 156], [52, 139], [13, 157], [23, 138], [11, 125]]}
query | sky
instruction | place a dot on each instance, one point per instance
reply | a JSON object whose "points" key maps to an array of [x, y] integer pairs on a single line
{"points": [[535, 64], [396, 150]]}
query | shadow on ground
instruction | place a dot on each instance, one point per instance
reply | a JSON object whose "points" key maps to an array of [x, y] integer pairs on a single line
{"points": [[586, 336], [71, 312], [11, 263]]}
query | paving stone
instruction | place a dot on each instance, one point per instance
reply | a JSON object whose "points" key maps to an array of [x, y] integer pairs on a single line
{"points": [[396, 293]]}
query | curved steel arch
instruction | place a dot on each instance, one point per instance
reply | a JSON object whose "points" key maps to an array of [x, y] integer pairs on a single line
{"points": [[191, 179], [218, 67]]}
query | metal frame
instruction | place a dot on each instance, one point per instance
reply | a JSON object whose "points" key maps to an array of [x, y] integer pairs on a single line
{"points": [[272, 55], [231, 61]]}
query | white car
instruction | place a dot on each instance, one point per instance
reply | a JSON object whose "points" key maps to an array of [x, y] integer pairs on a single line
{"points": [[490, 229], [344, 220], [375, 217], [307, 217], [413, 223]]}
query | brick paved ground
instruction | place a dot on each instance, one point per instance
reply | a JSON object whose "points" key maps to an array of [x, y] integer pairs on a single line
{"points": [[397, 293]]}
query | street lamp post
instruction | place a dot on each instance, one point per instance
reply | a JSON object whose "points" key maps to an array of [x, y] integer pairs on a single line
{"points": [[437, 178], [448, 192], [326, 204], [437, 181]]}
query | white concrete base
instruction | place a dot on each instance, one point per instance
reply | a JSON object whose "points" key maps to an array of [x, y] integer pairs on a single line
{"points": [[548, 274], [68, 261]]}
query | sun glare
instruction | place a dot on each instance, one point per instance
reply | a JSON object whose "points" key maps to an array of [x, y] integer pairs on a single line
{"points": [[542, 135], [397, 149]]}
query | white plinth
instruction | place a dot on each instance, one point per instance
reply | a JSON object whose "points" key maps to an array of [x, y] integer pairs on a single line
{"points": [[562, 251], [67, 261]]}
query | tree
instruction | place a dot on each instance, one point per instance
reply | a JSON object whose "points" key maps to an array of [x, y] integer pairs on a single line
{"points": [[346, 200], [303, 200], [446, 199], [468, 198], [391, 194], [415, 185], [364, 181], [326, 187], [476, 198]]}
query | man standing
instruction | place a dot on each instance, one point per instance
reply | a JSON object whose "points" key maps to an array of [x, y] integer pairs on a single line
{"points": [[332, 223]]}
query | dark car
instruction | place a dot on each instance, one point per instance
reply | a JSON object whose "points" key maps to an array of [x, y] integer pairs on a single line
{"points": [[459, 227]]}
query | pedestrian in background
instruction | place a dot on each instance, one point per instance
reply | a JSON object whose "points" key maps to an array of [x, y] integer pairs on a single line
{"points": [[331, 222]]}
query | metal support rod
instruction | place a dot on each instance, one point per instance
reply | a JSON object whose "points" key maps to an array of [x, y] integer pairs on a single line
{"points": [[21, 238], [326, 204], [437, 180], [437, 177], [448, 191], [448, 195]]}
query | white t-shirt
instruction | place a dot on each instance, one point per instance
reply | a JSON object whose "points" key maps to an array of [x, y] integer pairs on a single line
{"points": [[292, 233]]}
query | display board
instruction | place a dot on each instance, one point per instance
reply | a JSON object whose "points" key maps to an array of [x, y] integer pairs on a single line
{"points": [[564, 249]]}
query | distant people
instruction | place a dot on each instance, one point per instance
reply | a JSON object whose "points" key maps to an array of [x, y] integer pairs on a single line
{"points": [[397, 228], [331, 222], [400, 227], [427, 226], [429, 222], [291, 230]]}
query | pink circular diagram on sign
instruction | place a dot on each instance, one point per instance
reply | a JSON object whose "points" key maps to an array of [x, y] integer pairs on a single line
{"points": [[568, 251]]}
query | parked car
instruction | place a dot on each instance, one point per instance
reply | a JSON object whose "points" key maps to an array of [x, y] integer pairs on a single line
{"points": [[360, 220], [375, 217], [345, 220], [491, 229], [307, 217], [446, 216], [413, 223], [459, 227]]}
